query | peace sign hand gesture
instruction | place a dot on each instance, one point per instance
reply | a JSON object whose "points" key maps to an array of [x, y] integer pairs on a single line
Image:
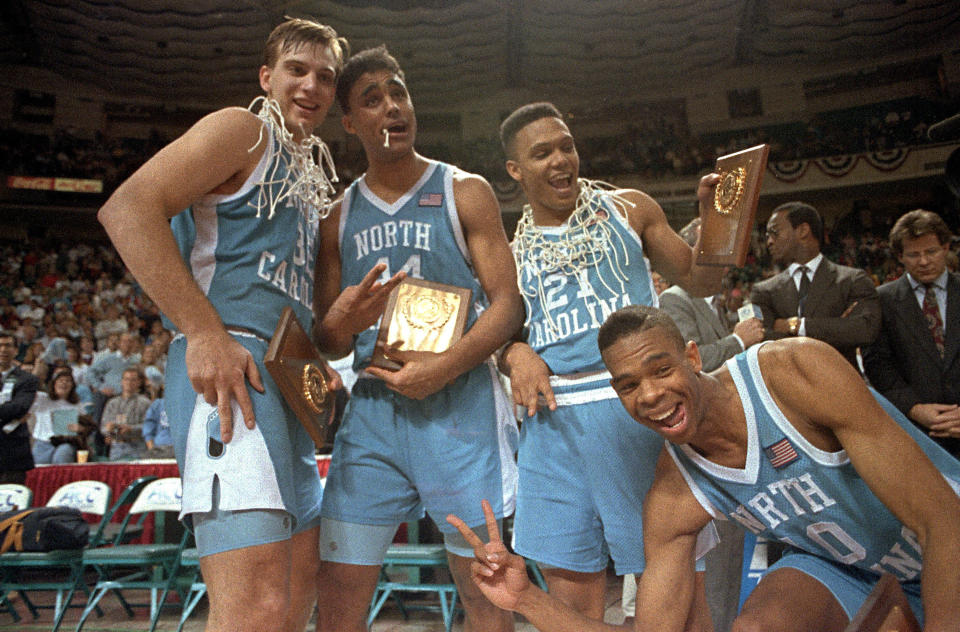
{"points": [[500, 575]]}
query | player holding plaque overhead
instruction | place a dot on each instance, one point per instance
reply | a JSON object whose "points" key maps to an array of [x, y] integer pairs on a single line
{"points": [[433, 434], [582, 251], [220, 230]]}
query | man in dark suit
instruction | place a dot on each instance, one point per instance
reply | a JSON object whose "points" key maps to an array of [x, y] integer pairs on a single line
{"points": [[915, 361], [17, 395], [813, 296]]}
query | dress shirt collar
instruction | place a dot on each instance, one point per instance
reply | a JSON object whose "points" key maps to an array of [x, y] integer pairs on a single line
{"points": [[940, 284], [812, 266]]}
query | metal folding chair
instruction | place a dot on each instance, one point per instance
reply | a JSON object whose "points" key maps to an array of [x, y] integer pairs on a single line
{"points": [[150, 567], [62, 570], [13, 496]]}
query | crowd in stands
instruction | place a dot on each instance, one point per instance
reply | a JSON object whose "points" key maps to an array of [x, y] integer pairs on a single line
{"points": [[97, 343], [653, 146]]}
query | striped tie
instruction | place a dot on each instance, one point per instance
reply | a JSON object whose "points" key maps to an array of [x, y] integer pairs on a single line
{"points": [[931, 312]]}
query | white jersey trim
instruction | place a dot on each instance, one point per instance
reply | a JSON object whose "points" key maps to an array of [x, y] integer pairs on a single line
{"points": [[751, 468], [454, 216], [701, 497], [393, 209], [828, 459]]}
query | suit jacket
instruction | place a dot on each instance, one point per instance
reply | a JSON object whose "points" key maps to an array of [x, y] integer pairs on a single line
{"points": [[15, 454], [699, 322], [904, 364], [833, 289]]}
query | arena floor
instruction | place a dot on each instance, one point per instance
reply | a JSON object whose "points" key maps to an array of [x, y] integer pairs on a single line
{"points": [[115, 619]]}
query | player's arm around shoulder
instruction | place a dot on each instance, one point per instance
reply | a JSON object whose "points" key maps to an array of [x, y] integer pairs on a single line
{"points": [[824, 397], [672, 520], [493, 263]]}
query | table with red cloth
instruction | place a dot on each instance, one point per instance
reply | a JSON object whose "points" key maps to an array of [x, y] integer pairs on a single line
{"points": [[46, 479]]}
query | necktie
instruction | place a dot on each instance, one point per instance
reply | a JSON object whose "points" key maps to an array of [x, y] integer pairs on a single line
{"points": [[804, 289], [931, 312]]}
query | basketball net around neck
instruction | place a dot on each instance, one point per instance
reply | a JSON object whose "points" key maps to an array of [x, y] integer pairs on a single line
{"points": [[586, 239], [308, 183]]}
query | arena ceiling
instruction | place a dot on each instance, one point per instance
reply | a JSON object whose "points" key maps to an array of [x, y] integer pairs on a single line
{"points": [[206, 51]]}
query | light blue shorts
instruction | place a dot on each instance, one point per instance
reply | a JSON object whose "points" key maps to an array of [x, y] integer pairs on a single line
{"points": [[291, 457], [224, 530], [396, 457], [850, 585], [367, 545], [585, 469]]}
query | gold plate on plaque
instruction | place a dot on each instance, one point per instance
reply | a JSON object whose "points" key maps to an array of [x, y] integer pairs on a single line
{"points": [[725, 233], [424, 316]]}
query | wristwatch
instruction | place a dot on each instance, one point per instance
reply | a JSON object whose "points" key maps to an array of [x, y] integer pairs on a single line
{"points": [[793, 324]]}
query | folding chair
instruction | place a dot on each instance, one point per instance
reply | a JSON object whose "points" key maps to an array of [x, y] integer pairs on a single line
{"points": [[13, 496], [416, 555], [150, 567], [125, 531], [62, 571], [190, 565]]}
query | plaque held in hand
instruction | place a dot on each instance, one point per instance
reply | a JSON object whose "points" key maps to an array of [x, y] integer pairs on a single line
{"points": [[725, 233], [303, 378], [885, 610], [424, 316]]}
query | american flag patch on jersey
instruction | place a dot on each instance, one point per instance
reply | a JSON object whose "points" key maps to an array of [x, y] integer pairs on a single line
{"points": [[781, 453], [431, 199]]}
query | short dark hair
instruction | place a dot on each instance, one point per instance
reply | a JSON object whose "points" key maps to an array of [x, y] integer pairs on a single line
{"points": [[296, 32], [635, 319], [802, 213], [520, 118], [918, 223], [369, 60]]}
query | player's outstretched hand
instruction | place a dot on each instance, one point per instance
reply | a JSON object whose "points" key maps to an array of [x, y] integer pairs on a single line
{"points": [[500, 575]]}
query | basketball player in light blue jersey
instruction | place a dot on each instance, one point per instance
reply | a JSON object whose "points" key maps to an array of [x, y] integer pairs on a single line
{"points": [[434, 434], [221, 271], [784, 440], [582, 251]]}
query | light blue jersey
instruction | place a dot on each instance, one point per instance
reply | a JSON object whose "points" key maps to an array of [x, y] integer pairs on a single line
{"points": [[588, 464], [813, 500], [419, 234], [250, 267], [396, 457], [566, 309]]}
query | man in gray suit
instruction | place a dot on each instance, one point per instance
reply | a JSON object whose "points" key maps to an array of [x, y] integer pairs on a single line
{"points": [[699, 321], [915, 362], [813, 296]]}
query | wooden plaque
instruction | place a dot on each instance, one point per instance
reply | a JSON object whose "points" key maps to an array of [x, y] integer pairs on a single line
{"points": [[424, 316], [725, 233], [302, 376], [885, 610]]}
